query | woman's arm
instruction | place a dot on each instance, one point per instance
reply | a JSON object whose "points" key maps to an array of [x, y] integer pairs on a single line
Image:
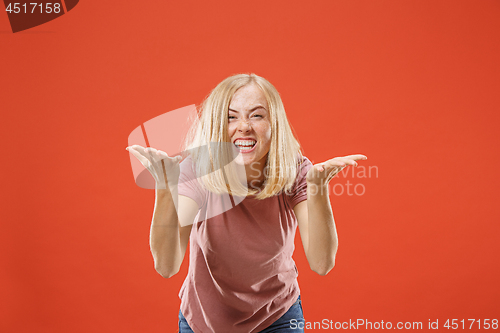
{"points": [[173, 215], [315, 216], [317, 230], [169, 237]]}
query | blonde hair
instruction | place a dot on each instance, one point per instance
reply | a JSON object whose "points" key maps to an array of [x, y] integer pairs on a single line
{"points": [[209, 144]]}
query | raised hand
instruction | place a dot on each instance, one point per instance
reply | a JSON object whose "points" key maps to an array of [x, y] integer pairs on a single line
{"points": [[164, 169], [321, 174]]}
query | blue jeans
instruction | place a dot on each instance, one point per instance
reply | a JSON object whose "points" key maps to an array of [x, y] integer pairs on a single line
{"points": [[288, 323]]}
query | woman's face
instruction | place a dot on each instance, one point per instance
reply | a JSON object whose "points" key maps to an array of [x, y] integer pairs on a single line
{"points": [[249, 125]]}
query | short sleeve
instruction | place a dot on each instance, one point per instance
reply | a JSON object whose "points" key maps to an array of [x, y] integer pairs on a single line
{"points": [[188, 184], [298, 192]]}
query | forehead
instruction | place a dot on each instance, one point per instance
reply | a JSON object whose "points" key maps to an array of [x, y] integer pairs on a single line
{"points": [[248, 97]]}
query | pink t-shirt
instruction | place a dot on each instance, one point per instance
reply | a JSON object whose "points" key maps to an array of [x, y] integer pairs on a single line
{"points": [[241, 277]]}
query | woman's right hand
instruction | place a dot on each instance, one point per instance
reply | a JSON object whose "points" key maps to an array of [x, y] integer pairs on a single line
{"points": [[164, 169]]}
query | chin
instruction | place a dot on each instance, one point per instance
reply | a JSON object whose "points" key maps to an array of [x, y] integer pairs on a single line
{"points": [[243, 159]]}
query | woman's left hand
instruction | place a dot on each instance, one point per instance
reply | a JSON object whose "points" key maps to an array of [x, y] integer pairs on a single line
{"points": [[321, 174]]}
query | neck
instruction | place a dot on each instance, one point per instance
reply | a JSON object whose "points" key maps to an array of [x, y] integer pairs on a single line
{"points": [[255, 174]]}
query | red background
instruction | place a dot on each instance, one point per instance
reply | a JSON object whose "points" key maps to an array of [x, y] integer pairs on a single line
{"points": [[411, 84]]}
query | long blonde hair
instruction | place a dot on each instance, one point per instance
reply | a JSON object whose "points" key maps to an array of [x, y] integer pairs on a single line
{"points": [[210, 147]]}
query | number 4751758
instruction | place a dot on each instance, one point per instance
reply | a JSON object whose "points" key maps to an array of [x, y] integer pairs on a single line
{"points": [[33, 7]]}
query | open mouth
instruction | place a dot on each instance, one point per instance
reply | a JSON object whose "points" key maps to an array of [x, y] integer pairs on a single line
{"points": [[245, 145]]}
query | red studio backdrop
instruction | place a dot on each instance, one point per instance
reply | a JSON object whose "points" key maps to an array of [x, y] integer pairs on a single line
{"points": [[414, 85]]}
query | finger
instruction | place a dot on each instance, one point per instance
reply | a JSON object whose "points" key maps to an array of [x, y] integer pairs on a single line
{"points": [[150, 150], [141, 150], [320, 167], [161, 154], [341, 162], [139, 156], [325, 169], [154, 154], [145, 150], [138, 148], [348, 161], [356, 157], [335, 163]]}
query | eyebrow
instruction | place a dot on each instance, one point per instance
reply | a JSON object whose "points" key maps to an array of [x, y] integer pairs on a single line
{"points": [[255, 108]]}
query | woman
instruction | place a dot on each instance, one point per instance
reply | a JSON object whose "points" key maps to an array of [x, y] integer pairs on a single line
{"points": [[240, 212]]}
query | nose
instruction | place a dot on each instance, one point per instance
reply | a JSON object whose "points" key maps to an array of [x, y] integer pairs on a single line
{"points": [[244, 125]]}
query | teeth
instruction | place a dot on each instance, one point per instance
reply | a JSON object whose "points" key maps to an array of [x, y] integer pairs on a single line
{"points": [[243, 143]]}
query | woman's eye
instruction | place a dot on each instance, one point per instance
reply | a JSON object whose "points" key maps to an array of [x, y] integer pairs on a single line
{"points": [[231, 117], [257, 115]]}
